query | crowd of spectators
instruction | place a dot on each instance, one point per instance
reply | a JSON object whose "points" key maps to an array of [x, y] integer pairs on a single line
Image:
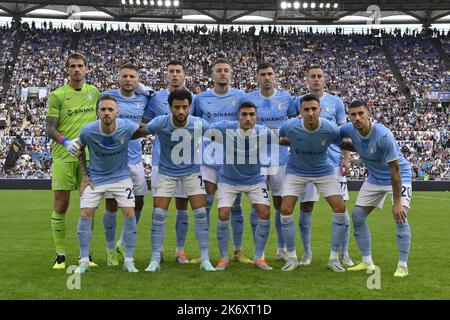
{"points": [[354, 64]]}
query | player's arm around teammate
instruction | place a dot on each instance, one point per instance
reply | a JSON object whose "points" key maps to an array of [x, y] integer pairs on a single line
{"points": [[175, 168]]}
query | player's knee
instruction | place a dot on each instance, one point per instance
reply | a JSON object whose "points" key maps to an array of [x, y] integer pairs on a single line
{"points": [[181, 203], [307, 206], [339, 207], [224, 216], [61, 206], [139, 203], [264, 214], [286, 210]]}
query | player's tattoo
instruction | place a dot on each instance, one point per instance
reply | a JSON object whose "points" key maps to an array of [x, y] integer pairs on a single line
{"points": [[51, 124]]}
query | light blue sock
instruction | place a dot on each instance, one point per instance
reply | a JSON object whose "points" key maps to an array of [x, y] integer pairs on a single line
{"points": [[343, 248], [138, 216], [403, 240], [209, 203], [157, 232], [181, 227], [109, 224], [361, 231], [253, 222], [337, 230], [129, 235], [288, 229], [202, 232], [281, 242], [237, 223], [262, 234], [304, 224], [84, 232], [223, 237]]}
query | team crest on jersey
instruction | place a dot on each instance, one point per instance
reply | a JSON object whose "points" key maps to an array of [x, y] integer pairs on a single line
{"points": [[233, 102], [122, 140], [372, 148], [328, 108], [138, 104], [280, 106], [323, 141]]}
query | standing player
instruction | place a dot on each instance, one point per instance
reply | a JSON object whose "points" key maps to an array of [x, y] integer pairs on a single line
{"points": [[389, 171], [108, 172], [236, 177], [180, 135], [221, 103], [309, 139], [159, 106], [132, 107], [70, 107], [334, 111], [274, 108]]}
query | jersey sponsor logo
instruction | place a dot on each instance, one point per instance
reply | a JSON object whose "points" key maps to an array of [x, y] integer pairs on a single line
{"points": [[268, 119], [130, 116], [221, 114], [108, 154], [81, 110]]}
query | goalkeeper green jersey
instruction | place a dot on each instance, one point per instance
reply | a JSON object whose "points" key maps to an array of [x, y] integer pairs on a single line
{"points": [[74, 109]]}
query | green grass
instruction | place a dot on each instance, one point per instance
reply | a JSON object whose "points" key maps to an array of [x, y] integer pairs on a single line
{"points": [[27, 253]]}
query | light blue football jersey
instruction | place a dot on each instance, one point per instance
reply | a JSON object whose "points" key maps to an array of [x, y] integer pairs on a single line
{"points": [[180, 147], [377, 149], [131, 108], [309, 156], [273, 112], [108, 153], [334, 111], [213, 107], [159, 106], [243, 153]]}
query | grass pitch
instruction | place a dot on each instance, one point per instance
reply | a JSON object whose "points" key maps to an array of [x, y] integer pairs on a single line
{"points": [[27, 254]]}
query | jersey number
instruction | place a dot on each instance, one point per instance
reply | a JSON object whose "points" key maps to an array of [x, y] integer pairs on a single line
{"points": [[201, 181], [406, 192], [130, 193], [266, 195]]}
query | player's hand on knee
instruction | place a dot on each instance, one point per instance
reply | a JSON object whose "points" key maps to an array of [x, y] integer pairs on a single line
{"points": [[399, 213], [73, 147], [86, 182]]}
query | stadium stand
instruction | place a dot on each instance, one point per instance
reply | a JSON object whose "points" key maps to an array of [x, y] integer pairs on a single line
{"points": [[355, 65]]}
